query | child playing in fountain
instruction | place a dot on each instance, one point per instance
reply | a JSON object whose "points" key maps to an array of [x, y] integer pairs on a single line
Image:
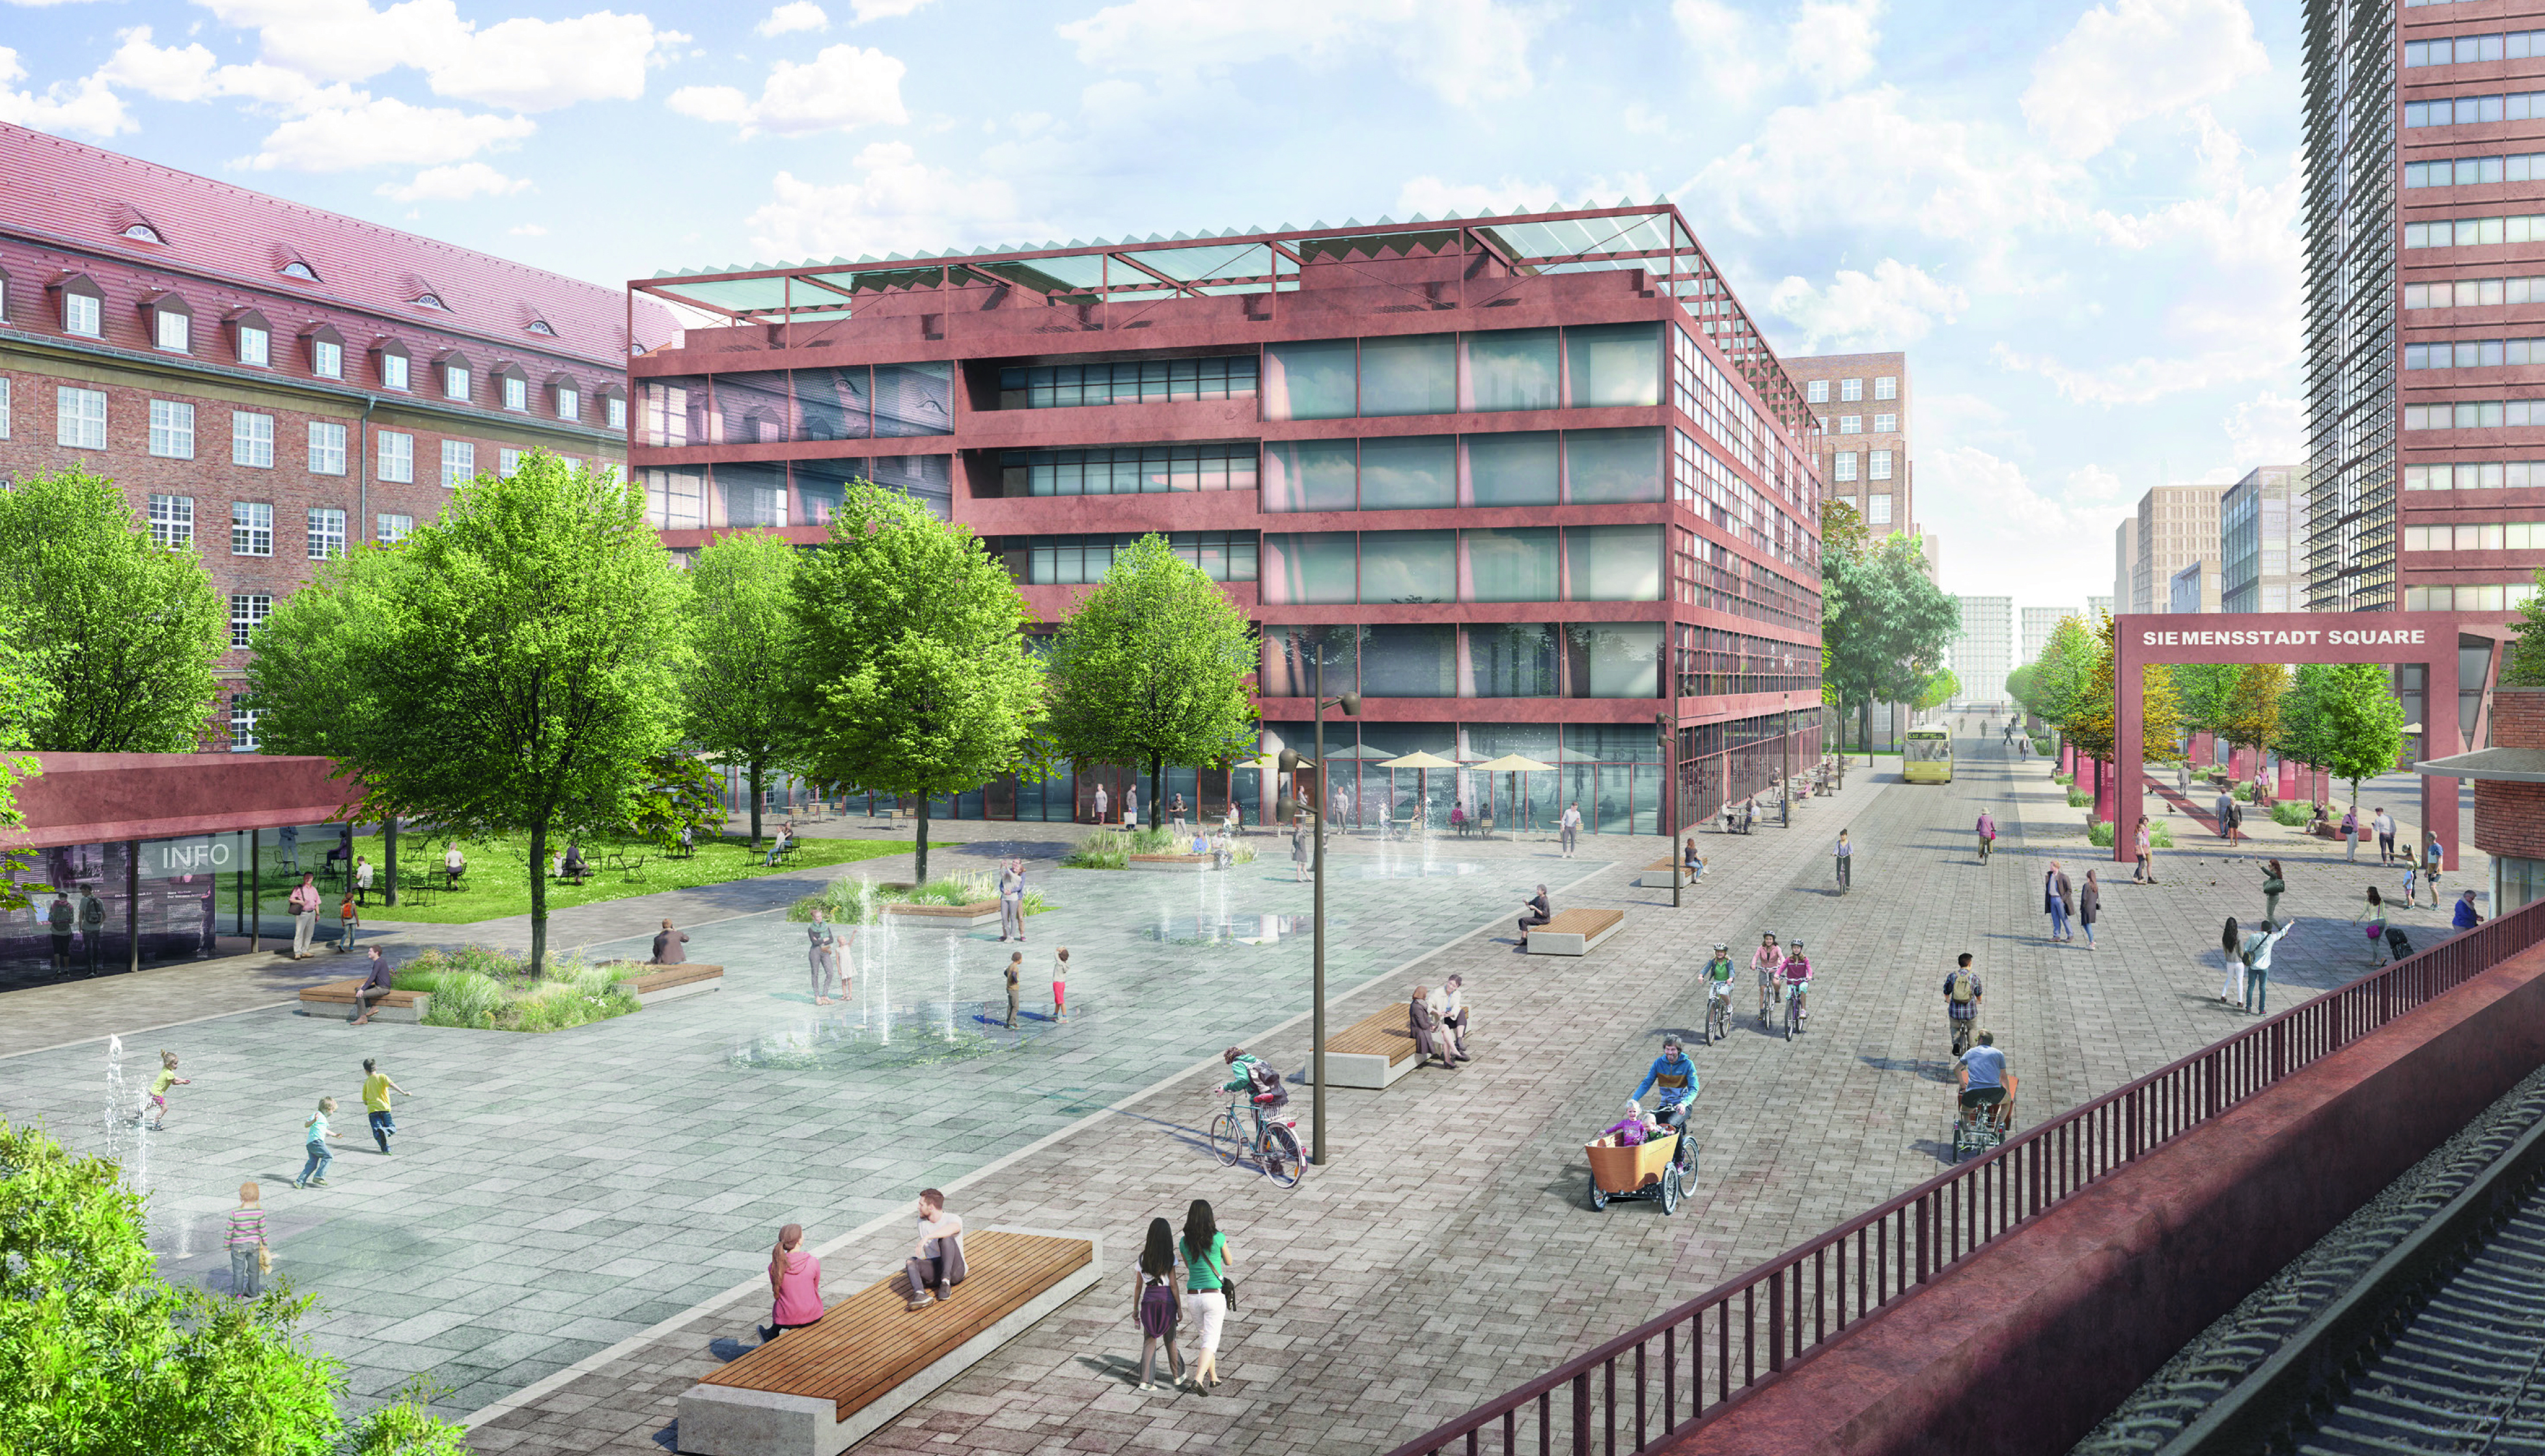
{"points": [[157, 1098]]}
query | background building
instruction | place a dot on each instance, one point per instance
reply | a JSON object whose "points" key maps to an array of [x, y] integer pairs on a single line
{"points": [[2125, 563], [2175, 525], [2255, 521], [2194, 589], [2426, 406], [1527, 497], [270, 383], [2038, 623], [1983, 652], [1862, 401], [2097, 607]]}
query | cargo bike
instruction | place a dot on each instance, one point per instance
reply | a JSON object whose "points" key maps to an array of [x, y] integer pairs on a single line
{"points": [[1663, 1169]]}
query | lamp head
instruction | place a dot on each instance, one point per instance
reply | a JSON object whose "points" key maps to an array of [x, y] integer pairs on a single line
{"points": [[1352, 705], [1289, 762]]}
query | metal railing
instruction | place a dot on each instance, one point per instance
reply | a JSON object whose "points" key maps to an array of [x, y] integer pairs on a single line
{"points": [[1687, 1364]]}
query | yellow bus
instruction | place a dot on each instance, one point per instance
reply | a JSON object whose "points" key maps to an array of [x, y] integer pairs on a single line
{"points": [[1926, 756]]}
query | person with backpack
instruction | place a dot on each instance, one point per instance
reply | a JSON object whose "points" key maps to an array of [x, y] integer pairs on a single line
{"points": [[1257, 1077], [1157, 1299], [60, 919], [92, 924], [2258, 964], [1962, 995]]}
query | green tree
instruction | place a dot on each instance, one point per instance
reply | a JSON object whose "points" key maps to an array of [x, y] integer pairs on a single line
{"points": [[1883, 621], [2251, 715], [2203, 693], [1151, 669], [2018, 687], [2343, 718], [514, 666], [2061, 671], [2525, 665], [125, 633], [2091, 712], [1939, 688], [915, 679], [742, 627], [100, 1356]]}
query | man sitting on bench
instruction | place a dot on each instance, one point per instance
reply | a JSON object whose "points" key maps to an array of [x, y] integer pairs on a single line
{"points": [[937, 1262], [1540, 910]]}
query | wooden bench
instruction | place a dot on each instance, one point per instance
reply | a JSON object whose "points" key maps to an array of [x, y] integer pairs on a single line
{"points": [[1575, 932], [651, 983], [819, 1390], [337, 997], [1371, 1052]]}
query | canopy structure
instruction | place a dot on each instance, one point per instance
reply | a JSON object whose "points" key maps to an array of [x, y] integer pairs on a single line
{"points": [[1418, 760], [1510, 764]]}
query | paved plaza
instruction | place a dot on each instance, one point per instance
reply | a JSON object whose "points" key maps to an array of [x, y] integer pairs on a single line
{"points": [[573, 1226]]}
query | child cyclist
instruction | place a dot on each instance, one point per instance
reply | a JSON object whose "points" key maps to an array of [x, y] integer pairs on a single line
{"points": [[1770, 963], [1798, 979], [1718, 980]]}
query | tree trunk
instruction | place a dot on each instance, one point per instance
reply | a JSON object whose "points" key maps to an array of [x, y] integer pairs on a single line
{"points": [[921, 873], [1157, 806], [757, 766], [539, 896]]}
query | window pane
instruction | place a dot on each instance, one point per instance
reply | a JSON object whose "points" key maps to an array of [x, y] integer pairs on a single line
{"points": [[1613, 659], [1308, 569], [1512, 369], [1613, 563], [752, 406], [831, 404], [1513, 565], [1416, 375], [751, 494], [929, 479], [1410, 660], [1604, 467], [1291, 653], [913, 399], [1409, 566], [1309, 382], [1512, 469], [1511, 660], [1413, 472], [1308, 475], [1614, 365]]}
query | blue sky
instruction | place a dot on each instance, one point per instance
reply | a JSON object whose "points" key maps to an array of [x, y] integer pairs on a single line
{"points": [[2079, 220]]}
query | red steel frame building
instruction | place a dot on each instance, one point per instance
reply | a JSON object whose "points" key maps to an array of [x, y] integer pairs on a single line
{"points": [[1530, 482]]}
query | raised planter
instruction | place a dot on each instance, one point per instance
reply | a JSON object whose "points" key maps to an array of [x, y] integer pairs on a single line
{"points": [[651, 983], [944, 916], [1170, 863]]}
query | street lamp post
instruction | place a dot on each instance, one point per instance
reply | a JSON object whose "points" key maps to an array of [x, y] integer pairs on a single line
{"points": [[1289, 763], [1665, 726]]}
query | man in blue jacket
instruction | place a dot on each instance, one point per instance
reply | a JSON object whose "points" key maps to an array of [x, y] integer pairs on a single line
{"points": [[1676, 1076]]}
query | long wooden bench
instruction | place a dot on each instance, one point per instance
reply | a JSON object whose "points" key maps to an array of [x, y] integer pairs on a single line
{"points": [[338, 997], [1575, 932], [651, 983], [1371, 1052], [1658, 874], [819, 1390]]}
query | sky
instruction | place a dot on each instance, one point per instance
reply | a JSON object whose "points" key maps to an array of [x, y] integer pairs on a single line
{"points": [[2079, 220]]}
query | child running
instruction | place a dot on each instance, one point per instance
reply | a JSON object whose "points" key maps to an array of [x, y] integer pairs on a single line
{"points": [[1060, 985], [157, 1098], [313, 1174]]}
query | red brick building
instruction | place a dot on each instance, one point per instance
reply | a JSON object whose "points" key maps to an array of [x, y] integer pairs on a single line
{"points": [[270, 383], [1528, 482]]}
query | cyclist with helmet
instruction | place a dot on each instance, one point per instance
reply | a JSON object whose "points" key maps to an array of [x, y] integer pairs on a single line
{"points": [[1676, 1077], [1718, 981], [1798, 979], [1770, 963]]}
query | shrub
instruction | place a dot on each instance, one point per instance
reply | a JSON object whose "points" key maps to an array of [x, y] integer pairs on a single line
{"points": [[2062, 778], [2295, 816], [1111, 849], [2099, 833], [2041, 747], [857, 902], [2078, 798], [2242, 792], [485, 989]]}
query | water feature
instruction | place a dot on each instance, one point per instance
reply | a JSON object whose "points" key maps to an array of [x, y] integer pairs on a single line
{"points": [[953, 946], [1408, 869], [1225, 929]]}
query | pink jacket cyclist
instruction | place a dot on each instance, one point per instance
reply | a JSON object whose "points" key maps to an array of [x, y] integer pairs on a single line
{"points": [[1797, 966]]}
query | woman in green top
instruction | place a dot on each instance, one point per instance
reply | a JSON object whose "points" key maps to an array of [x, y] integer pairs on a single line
{"points": [[1205, 1255]]}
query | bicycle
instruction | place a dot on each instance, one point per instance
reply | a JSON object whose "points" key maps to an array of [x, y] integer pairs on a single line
{"points": [[1962, 1028], [1794, 1007], [1718, 1014], [1276, 1145], [1987, 847]]}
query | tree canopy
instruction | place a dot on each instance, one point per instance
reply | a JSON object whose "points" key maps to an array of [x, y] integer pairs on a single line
{"points": [[1884, 622], [2091, 712], [2252, 711], [2203, 694], [514, 666], [1939, 688], [2060, 672], [2343, 718], [125, 633], [1151, 669], [741, 620], [914, 677]]}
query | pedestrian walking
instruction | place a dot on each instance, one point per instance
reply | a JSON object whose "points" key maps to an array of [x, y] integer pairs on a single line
{"points": [[794, 1286], [246, 1243], [2351, 832], [2465, 919], [61, 919], [1299, 850], [2373, 914], [1205, 1249], [1061, 985], [2258, 966], [1131, 807], [1845, 854], [668, 943], [304, 918], [1156, 1295], [2090, 907], [376, 1088], [2232, 941], [2431, 857], [1012, 900], [1099, 805], [2274, 885], [352, 922], [2384, 824], [1570, 827], [2145, 874], [2058, 901], [1175, 817], [821, 955], [2226, 811], [1016, 970], [362, 879], [314, 1135], [92, 926], [154, 1103]]}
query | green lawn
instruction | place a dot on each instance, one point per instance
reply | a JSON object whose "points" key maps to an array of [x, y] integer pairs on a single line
{"points": [[498, 883]]}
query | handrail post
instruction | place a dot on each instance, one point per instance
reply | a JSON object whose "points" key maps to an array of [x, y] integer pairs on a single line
{"points": [[1582, 1414], [1924, 1208], [1776, 1322]]}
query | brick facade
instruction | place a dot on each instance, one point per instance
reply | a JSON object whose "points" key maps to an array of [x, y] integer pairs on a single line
{"points": [[2508, 817]]}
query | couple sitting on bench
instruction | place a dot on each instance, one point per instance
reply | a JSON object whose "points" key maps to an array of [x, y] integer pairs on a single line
{"points": [[934, 1267]]}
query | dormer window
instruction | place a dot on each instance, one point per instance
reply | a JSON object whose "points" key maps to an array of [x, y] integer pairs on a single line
{"points": [[301, 271], [326, 351], [569, 402], [540, 326], [455, 374], [431, 300], [143, 232], [172, 323], [254, 336], [393, 364], [517, 392], [613, 408]]}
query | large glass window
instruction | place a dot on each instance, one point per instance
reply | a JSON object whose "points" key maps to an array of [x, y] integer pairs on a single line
{"points": [[1410, 472], [1410, 376], [913, 399], [1519, 564], [1410, 660], [1511, 660], [929, 479], [834, 404], [1126, 382], [1613, 563], [676, 500], [172, 429], [752, 407], [675, 411], [1614, 364], [1512, 369], [1312, 380], [752, 493], [1078, 560], [1126, 469], [1309, 568], [1516, 469], [1290, 655], [1605, 467], [1409, 566], [1613, 659], [1309, 475]]}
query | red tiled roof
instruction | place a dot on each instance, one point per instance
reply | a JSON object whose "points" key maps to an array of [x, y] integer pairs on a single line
{"points": [[87, 196]]}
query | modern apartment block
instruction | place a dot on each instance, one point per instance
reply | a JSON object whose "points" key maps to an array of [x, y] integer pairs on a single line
{"points": [[1982, 654], [1862, 401], [2194, 589], [2175, 525], [2125, 564], [1531, 483], [2097, 609], [270, 383], [2038, 623], [2425, 279], [2261, 524]]}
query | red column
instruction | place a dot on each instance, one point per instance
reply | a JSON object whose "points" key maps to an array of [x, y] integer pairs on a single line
{"points": [[2288, 780], [2108, 792]]}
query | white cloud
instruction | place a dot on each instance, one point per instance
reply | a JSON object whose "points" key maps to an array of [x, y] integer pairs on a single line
{"points": [[2267, 430], [1643, 121], [454, 183], [1830, 43], [385, 131], [799, 15], [897, 204], [1463, 51], [521, 64], [1891, 308], [2133, 59], [843, 86], [1432, 197], [191, 73], [528, 230], [88, 106], [2006, 535], [884, 9]]}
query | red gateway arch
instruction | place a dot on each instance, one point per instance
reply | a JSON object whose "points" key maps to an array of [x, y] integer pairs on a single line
{"points": [[2446, 647]]}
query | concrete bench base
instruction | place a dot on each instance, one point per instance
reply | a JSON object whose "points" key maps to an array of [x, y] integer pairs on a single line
{"points": [[944, 916], [1170, 863], [1575, 932], [1359, 1069], [651, 983], [336, 998], [1370, 1053]]}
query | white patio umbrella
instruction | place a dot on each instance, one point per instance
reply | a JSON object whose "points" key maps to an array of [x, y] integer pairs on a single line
{"points": [[1513, 764]]}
